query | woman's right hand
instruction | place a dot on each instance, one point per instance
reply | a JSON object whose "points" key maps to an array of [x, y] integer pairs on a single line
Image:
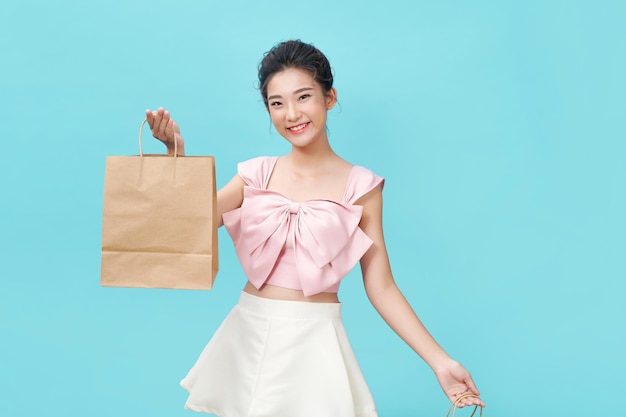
{"points": [[166, 130]]}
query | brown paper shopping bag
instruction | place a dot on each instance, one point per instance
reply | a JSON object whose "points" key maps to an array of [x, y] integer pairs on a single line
{"points": [[158, 221]]}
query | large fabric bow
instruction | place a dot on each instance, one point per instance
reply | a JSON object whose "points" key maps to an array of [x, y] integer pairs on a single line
{"points": [[325, 236]]}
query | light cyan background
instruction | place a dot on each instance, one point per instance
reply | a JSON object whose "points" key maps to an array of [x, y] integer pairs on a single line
{"points": [[499, 127]]}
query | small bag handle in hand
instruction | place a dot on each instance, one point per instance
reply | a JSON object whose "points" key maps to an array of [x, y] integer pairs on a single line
{"points": [[141, 148], [455, 405]]}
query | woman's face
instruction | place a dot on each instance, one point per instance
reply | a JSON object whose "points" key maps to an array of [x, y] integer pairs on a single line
{"points": [[298, 105]]}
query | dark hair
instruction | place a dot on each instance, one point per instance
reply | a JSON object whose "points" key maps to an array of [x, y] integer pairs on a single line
{"points": [[295, 54]]}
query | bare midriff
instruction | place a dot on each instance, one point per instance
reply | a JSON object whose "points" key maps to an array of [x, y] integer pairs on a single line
{"points": [[279, 293]]}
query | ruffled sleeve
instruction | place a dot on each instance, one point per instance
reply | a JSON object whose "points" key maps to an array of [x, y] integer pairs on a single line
{"points": [[361, 182], [256, 172]]}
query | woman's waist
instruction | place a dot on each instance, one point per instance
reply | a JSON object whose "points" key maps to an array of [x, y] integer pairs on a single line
{"points": [[274, 292]]}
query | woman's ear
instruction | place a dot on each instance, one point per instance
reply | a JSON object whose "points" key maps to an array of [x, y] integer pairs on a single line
{"points": [[331, 98]]}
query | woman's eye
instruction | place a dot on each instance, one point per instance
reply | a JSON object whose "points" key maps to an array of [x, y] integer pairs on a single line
{"points": [[275, 103], [304, 96]]}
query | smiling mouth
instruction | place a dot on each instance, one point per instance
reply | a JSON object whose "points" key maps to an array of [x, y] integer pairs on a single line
{"points": [[298, 128]]}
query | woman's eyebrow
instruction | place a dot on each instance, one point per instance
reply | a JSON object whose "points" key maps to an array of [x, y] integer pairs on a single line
{"points": [[298, 91]]}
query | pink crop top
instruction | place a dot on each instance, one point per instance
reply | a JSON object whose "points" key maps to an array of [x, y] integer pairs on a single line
{"points": [[309, 245]]}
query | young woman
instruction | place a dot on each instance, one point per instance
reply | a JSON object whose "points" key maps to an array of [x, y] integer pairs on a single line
{"points": [[300, 222]]}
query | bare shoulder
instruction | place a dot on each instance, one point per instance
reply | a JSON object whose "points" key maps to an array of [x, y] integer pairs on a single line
{"points": [[343, 165], [342, 169]]}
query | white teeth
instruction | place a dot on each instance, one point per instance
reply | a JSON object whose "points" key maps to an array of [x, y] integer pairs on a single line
{"points": [[298, 128]]}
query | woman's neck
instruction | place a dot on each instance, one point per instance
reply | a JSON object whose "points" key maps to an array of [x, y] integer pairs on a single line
{"points": [[311, 159]]}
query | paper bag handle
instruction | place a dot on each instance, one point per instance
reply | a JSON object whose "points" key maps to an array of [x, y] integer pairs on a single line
{"points": [[456, 403], [140, 146]]}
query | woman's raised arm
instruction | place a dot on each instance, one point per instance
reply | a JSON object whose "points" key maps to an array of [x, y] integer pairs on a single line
{"points": [[229, 197], [165, 129]]}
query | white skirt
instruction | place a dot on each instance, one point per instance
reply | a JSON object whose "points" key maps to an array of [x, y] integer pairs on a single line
{"points": [[274, 358]]}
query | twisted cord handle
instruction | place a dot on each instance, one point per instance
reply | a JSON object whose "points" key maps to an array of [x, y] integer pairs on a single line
{"points": [[455, 405], [141, 132]]}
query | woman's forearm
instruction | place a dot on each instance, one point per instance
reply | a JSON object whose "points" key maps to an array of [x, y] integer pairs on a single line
{"points": [[390, 303]]}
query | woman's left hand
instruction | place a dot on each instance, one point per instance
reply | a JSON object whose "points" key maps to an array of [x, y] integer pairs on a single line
{"points": [[455, 380], [165, 129]]}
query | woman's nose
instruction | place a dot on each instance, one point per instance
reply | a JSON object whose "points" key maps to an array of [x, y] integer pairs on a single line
{"points": [[293, 113]]}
